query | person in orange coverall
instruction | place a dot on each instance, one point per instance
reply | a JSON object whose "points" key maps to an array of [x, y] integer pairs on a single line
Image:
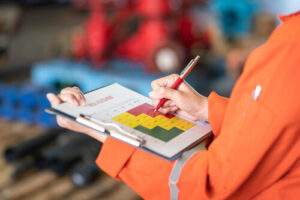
{"points": [[255, 153]]}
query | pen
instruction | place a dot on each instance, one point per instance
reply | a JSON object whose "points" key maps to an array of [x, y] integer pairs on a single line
{"points": [[185, 72], [122, 135]]}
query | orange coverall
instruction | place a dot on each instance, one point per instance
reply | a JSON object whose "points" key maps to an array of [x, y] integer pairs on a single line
{"points": [[256, 146]]}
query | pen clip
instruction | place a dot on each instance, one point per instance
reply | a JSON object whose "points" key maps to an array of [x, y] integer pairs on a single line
{"points": [[189, 67], [85, 121], [124, 138]]}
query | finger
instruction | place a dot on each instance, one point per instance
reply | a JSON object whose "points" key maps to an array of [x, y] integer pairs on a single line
{"points": [[70, 98], [155, 98], [73, 89], [164, 110], [80, 94], [65, 123], [160, 93], [60, 121], [155, 102], [69, 124], [154, 95], [168, 93], [79, 97], [173, 109], [53, 99], [76, 88], [167, 110], [77, 93], [169, 103], [170, 109]]}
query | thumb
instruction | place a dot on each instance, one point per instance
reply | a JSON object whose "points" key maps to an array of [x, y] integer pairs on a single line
{"points": [[54, 100]]}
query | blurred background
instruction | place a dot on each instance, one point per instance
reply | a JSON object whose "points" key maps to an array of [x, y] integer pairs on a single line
{"points": [[46, 45]]}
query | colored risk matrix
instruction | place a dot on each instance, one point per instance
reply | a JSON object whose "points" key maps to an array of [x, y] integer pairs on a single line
{"points": [[154, 123]]}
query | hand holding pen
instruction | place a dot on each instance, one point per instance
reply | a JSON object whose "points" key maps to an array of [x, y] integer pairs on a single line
{"points": [[184, 100], [181, 77]]}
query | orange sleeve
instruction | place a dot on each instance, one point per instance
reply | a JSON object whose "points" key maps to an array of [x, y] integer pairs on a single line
{"points": [[113, 156], [145, 173], [216, 110]]}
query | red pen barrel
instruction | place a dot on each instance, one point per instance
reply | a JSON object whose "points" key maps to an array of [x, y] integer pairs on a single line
{"points": [[177, 83]]}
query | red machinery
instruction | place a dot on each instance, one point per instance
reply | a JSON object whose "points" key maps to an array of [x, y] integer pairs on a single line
{"points": [[155, 32]]}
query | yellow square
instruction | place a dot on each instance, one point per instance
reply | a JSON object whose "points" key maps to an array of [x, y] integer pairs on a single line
{"points": [[175, 119], [148, 124], [185, 125], [132, 124], [165, 124], [123, 117], [118, 119], [141, 117], [160, 119]]}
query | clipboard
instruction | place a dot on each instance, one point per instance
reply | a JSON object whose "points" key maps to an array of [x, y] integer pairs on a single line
{"points": [[128, 116]]}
